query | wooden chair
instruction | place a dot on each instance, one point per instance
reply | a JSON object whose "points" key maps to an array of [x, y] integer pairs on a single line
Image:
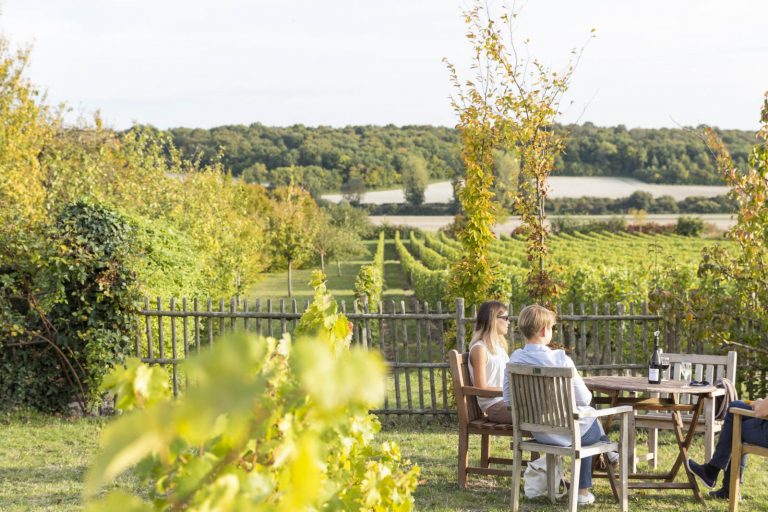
{"points": [[704, 367], [739, 448], [473, 421], [543, 401]]}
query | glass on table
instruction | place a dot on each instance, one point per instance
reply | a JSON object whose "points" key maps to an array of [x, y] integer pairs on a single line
{"points": [[685, 372], [664, 368]]}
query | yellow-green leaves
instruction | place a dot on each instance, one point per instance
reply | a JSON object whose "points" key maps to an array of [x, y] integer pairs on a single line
{"points": [[136, 385], [267, 425]]}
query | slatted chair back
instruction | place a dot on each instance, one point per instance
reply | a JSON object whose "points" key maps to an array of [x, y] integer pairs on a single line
{"points": [[542, 400], [466, 405], [704, 367]]}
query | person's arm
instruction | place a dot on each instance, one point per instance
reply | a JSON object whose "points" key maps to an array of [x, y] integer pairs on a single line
{"points": [[478, 358], [760, 407], [582, 393]]}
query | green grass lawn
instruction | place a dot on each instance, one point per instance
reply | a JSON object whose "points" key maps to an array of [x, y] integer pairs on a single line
{"points": [[341, 280], [43, 461]]}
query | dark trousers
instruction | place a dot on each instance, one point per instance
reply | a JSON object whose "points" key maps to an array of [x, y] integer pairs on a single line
{"points": [[753, 431]]}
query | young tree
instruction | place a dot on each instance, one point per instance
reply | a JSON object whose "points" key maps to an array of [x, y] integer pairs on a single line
{"points": [[510, 108], [294, 224], [415, 177]]}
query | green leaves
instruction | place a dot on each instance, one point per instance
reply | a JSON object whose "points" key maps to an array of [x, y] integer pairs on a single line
{"points": [[267, 425]]}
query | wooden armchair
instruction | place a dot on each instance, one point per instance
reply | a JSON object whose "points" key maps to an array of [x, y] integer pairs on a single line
{"points": [[473, 421], [543, 401], [738, 449], [705, 367]]}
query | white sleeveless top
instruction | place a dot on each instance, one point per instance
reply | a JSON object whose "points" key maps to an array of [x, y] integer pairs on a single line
{"points": [[494, 373]]}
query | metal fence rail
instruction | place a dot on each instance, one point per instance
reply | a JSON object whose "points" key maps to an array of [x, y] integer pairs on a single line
{"points": [[413, 338]]}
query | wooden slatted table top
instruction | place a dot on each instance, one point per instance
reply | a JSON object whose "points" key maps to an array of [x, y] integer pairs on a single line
{"points": [[607, 383]]}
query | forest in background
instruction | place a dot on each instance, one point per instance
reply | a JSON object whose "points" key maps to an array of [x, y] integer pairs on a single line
{"points": [[324, 159]]}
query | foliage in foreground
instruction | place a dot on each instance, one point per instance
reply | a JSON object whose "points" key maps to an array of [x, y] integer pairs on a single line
{"points": [[268, 425]]}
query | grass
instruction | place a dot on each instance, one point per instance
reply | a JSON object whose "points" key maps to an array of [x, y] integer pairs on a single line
{"points": [[341, 280], [43, 461]]}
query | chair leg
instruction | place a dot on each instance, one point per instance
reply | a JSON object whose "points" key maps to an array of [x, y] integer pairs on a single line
{"points": [[551, 469], [653, 447], [516, 476], [733, 485], [632, 445], [573, 496], [463, 458], [485, 450], [624, 461]]}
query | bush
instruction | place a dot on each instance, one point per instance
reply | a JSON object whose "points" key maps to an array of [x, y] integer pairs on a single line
{"points": [[689, 226], [67, 308]]}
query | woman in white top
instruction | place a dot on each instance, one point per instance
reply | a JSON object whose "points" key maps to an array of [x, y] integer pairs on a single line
{"points": [[488, 358]]}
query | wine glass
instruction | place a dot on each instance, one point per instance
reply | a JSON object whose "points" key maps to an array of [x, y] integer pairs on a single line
{"points": [[685, 372], [665, 368]]}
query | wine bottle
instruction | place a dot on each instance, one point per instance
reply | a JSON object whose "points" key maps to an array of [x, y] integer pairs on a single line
{"points": [[654, 366]]}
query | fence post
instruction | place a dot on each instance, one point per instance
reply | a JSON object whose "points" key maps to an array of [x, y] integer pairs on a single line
{"points": [[460, 324]]}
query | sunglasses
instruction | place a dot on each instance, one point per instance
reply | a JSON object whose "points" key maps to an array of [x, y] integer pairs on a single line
{"points": [[503, 317]]}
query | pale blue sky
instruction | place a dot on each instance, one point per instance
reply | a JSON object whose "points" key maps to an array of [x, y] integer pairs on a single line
{"points": [[339, 62]]}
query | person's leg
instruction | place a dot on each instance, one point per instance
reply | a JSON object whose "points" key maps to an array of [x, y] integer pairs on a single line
{"points": [[709, 471], [591, 436], [753, 431], [722, 455]]}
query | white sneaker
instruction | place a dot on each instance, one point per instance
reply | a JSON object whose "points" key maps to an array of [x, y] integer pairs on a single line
{"points": [[586, 499]]}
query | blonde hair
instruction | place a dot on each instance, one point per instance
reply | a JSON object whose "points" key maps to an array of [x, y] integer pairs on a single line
{"points": [[485, 327], [533, 319]]}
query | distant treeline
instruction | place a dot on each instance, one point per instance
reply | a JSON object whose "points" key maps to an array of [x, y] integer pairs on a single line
{"points": [[584, 206], [323, 158]]}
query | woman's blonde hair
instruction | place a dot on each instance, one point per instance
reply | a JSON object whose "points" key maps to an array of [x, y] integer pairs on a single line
{"points": [[485, 326], [533, 319]]}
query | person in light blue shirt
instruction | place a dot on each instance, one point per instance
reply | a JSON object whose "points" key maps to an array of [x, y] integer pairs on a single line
{"points": [[536, 323]]}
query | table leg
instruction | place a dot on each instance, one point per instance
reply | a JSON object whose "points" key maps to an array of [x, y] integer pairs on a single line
{"points": [[683, 443]]}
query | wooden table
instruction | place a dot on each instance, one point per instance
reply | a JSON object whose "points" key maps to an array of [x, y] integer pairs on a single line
{"points": [[614, 386]]}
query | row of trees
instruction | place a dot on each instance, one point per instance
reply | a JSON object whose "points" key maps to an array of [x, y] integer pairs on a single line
{"points": [[90, 220], [325, 158]]}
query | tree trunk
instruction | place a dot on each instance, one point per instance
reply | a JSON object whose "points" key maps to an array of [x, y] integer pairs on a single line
{"points": [[338, 267], [322, 262], [290, 284]]}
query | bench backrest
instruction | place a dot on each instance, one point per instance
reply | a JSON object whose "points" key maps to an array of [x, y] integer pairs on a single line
{"points": [[705, 367], [542, 400], [466, 406]]}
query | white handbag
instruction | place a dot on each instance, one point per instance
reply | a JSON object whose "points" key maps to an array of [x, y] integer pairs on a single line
{"points": [[535, 478]]}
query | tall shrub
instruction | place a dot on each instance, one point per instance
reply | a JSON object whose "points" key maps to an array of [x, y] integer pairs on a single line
{"points": [[67, 312]]}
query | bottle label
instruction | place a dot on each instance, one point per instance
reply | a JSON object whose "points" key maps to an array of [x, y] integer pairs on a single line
{"points": [[653, 374]]}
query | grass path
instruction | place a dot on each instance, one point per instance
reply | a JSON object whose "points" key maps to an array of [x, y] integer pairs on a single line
{"points": [[275, 285]]}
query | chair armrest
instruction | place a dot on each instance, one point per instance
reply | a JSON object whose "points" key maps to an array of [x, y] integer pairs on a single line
{"points": [[744, 412], [486, 393], [610, 411]]}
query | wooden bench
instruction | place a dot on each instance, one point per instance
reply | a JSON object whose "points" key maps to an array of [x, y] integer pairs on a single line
{"points": [[704, 367], [473, 421], [739, 448]]}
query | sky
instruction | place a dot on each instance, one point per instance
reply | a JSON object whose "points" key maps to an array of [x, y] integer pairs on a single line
{"points": [[195, 63]]}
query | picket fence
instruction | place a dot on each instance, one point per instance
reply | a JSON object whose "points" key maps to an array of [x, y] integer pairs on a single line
{"points": [[414, 337]]}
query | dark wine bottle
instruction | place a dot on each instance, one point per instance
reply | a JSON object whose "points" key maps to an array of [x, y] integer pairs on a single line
{"points": [[654, 366]]}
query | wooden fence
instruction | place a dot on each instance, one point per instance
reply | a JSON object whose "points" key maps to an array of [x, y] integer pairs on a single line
{"points": [[413, 338]]}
